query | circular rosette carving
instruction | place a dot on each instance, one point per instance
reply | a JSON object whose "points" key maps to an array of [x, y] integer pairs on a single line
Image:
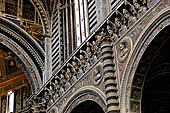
{"points": [[98, 74], [123, 49]]}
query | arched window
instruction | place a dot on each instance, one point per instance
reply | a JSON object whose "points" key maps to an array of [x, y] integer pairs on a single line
{"points": [[10, 100], [15, 100], [3, 104]]}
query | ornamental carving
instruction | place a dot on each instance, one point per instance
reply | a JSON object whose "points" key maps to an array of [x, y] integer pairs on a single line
{"points": [[83, 60], [138, 70], [141, 7], [35, 30], [98, 74], [123, 49]]}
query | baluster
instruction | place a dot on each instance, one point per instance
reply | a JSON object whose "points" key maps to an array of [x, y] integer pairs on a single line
{"points": [[58, 87], [140, 8], [68, 76], [49, 95], [111, 29], [80, 72], [120, 23], [129, 17], [89, 51], [84, 59], [73, 73]]}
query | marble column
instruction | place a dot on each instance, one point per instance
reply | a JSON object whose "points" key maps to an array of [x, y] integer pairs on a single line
{"points": [[110, 78], [48, 59]]}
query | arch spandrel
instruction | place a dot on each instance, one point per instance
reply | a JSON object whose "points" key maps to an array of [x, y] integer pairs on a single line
{"points": [[143, 35]]}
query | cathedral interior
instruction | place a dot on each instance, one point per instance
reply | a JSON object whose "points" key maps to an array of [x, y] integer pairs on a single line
{"points": [[84, 56]]}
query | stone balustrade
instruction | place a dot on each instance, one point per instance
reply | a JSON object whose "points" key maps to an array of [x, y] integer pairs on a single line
{"points": [[89, 53]]}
